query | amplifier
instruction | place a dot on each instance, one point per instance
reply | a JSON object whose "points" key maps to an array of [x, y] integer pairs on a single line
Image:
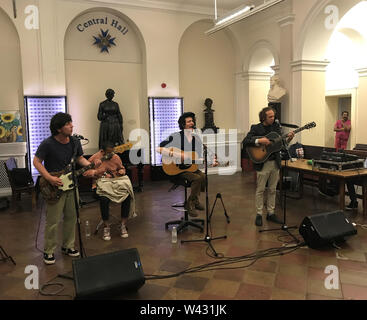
{"points": [[338, 156], [338, 166]]}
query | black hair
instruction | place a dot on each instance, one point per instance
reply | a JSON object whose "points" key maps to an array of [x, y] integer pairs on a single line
{"points": [[345, 112], [58, 121], [182, 119], [262, 113], [107, 144]]}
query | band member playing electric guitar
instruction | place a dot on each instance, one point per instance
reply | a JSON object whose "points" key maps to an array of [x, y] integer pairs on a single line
{"points": [[181, 147], [56, 152], [268, 171]]}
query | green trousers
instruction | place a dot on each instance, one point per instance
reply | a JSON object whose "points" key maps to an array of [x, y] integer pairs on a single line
{"points": [[66, 207]]}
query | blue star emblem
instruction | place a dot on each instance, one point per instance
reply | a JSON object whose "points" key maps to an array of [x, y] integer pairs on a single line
{"points": [[104, 40]]}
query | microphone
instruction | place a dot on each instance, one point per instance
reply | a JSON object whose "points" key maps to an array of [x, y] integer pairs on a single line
{"points": [[279, 124], [78, 136]]}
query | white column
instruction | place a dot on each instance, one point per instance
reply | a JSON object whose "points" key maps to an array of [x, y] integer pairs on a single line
{"points": [[308, 99], [285, 59], [361, 108], [257, 85]]}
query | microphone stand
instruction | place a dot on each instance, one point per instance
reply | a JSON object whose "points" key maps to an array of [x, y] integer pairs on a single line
{"points": [[284, 226], [5, 256], [207, 237], [76, 202]]}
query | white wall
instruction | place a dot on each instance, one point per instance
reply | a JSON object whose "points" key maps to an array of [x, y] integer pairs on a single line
{"points": [[11, 92], [207, 71]]}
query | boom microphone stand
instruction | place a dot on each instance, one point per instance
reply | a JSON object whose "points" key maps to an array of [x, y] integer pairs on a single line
{"points": [[284, 226], [207, 238], [76, 203]]}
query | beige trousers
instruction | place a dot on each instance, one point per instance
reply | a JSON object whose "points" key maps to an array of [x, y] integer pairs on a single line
{"points": [[269, 174]]}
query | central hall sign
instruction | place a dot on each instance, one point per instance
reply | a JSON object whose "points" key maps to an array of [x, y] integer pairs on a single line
{"points": [[103, 22]]}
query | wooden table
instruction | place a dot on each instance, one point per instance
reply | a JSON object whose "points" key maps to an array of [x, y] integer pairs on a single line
{"points": [[301, 166]]}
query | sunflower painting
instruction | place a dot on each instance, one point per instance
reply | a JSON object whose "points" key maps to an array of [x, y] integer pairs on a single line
{"points": [[11, 129]]}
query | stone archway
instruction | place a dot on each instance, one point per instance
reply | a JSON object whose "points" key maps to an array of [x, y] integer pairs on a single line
{"points": [[119, 65]]}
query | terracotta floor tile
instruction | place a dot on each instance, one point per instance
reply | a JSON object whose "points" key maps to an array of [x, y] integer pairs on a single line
{"points": [[264, 265], [291, 283], [352, 265], [293, 269], [317, 274], [222, 288], [354, 292], [318, 287], [191, 283], [181, 294], [353, 277], [283, 294], [231, 275], [265, 279], [294, 258], [253, 292], [311, 296]]}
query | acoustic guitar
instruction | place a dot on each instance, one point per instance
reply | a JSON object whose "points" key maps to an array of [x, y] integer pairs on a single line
{"points": [[173, 165], [259, 154]]}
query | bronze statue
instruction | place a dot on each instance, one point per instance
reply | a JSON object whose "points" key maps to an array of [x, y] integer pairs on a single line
{"points": [[111, 121], [209, 116]]}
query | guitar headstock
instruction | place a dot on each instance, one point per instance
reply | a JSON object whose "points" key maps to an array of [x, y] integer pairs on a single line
{"points": [[126, 146], [310, 125]]}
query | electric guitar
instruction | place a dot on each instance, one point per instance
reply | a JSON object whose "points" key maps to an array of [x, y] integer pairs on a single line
{"points": [[53, 193], [124, 147], [259, 154], [173, 165]]}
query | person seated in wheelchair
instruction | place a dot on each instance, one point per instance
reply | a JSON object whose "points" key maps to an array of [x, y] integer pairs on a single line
{"points": [[110, 183]]}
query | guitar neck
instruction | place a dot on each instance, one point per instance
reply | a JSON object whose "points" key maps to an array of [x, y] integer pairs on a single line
{"points": [[92, 165], [295, 131], [82, 170]]}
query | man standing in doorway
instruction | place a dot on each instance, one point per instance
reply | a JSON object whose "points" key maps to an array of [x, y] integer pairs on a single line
{"points": [[342, 128]]}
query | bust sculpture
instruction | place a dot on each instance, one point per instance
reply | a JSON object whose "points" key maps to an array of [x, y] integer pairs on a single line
{"points": [[209, 116], [276, 92]]}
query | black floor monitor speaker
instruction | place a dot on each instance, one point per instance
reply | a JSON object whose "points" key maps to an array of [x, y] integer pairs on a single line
{"points": [[107, 275], [325, 229]]}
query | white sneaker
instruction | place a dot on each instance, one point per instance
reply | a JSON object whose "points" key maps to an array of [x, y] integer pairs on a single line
{"points": [[124, 233], [106, 234]]}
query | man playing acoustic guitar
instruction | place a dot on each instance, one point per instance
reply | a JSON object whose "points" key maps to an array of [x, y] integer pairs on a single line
{"points": [[268, 171], [57, 151], [187, 143]]}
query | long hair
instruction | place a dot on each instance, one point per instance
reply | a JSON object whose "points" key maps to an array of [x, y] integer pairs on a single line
{"points": [[58, 121], [262, 113], [182, 119]]}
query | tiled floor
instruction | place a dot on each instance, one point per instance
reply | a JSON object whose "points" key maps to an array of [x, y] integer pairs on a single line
{"points": [[299, 275]]}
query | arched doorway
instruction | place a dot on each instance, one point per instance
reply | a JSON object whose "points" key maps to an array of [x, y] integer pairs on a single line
{"points": [[104, 49]]}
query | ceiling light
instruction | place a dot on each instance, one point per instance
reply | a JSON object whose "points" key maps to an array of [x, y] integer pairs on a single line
{"points": [[240, 14]]}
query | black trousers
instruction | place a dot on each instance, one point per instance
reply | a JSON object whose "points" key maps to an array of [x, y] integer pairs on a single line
{"points": [[352, 192], [104, 204]]}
